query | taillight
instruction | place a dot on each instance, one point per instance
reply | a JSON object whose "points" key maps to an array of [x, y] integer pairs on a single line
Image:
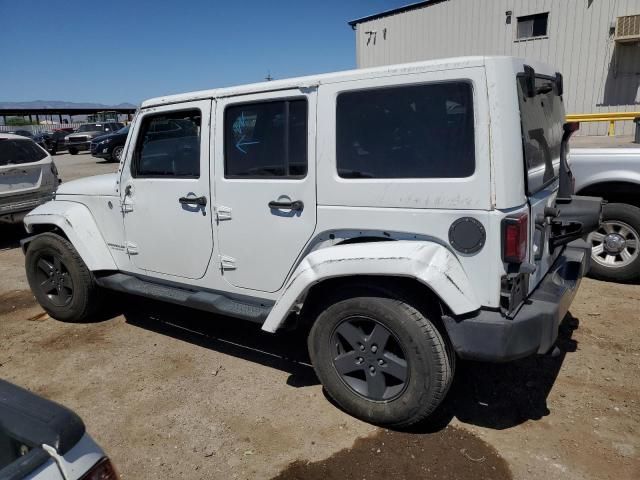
{"points": [[103, 470], [515, 235]]}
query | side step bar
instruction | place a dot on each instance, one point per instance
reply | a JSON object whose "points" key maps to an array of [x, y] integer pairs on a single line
{"points": [[201, 300]]}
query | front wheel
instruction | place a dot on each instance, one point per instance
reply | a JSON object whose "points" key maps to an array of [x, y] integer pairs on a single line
{"points": [[116, 154], [615, 254], [73, 150], [381, 360], [60, 280]]}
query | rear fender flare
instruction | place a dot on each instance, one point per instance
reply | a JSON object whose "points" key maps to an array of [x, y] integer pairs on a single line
{"points": [[428, 262], [79, 226]]}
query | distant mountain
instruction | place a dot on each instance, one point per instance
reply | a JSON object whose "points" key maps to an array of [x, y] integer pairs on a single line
{"points": [[61, 104]]}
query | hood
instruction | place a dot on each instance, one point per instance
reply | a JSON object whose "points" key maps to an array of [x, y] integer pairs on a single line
{"points": [[100, 185], [114, 136], [99, 138], [92, 134]]}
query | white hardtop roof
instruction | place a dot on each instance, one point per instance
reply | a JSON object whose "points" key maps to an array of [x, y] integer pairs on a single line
{"points": [[314, 80]]}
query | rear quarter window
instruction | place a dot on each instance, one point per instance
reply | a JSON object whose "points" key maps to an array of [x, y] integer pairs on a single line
{"points": [[413, 131], [17, 152]]}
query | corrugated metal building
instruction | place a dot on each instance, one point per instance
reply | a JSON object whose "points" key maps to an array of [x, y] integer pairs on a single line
{"points": [[600, 67]]}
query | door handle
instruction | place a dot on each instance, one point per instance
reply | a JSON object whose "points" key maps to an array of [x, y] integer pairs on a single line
{"points": [[295, 205], [200, 201]]}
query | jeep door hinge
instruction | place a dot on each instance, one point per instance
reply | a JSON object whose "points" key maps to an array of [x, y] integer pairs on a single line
{"points": [[227, 263], [223, 213], [126, 207], [132, 248]]}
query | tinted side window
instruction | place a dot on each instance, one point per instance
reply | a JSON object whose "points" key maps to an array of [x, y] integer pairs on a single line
{"points": [[16, 152], [417, 131], [266, 139], [168, 145]]}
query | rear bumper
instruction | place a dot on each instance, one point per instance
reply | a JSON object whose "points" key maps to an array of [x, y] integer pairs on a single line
{"points": [[490, 336], [13, 210]]}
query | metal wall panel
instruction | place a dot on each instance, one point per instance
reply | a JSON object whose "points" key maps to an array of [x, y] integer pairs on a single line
{"points": [[600, 75]]}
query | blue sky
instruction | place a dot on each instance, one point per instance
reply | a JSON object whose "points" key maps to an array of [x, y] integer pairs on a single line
{"points": [[125, 51]]}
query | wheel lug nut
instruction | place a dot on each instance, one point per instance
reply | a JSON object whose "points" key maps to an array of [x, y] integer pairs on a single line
{"points": [[359, 360], [380, 362], [374, 348], [362, 347], [372, 369]]}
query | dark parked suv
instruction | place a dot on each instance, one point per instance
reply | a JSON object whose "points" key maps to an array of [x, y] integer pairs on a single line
{"points": [[81, 138], [53, 142], [110, 146]]}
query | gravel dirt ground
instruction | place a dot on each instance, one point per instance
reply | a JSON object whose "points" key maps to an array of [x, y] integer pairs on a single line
{"points": [[173, 393]]}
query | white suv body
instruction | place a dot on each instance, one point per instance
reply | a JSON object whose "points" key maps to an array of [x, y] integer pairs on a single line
{"points": [[263, 201]]}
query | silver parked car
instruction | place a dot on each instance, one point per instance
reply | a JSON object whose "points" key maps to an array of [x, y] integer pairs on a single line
{"points": [[28, 177]]}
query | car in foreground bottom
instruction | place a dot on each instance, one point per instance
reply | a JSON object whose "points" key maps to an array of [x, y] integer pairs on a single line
{"points": [[28, 177], [40, 439]]}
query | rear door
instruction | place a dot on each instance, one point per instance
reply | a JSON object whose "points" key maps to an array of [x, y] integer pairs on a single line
{"points": [[21, 167], [265, 184], [542, 117]]}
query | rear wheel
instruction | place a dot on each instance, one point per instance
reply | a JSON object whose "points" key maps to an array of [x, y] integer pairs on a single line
{"points": [[60, 280], [381, 359], [73, 150], [615, 254]]}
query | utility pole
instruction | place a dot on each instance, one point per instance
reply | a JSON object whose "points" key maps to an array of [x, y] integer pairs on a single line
{"points": [[268, 78]]}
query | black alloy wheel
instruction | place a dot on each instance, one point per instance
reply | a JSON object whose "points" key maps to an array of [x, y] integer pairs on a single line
{"points": [[369, 359], [54, 280]]}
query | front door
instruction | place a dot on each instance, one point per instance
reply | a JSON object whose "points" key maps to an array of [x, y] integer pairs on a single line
{"points": [[165, 191], [265, 185]]}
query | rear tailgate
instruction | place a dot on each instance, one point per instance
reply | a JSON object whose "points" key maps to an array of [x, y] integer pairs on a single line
{"points": [[542, 118], [21, 167]]}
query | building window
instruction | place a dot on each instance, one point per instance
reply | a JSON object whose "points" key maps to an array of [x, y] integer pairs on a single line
{"points": [[533, 26]]}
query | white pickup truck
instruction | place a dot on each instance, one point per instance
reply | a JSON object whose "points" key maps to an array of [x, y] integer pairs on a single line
{"points": [[613, 174]]}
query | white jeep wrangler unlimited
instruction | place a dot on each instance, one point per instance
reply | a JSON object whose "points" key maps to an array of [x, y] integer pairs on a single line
{"points": [[409, 214]]}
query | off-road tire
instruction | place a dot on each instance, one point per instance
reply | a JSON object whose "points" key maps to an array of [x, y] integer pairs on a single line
{"points": [[86, 296], [73, 150], [630, 215], [430, 362]]}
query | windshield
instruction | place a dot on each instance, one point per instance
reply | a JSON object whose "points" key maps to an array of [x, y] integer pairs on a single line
{"points": [[90, 127], [542, 117], [123, 130]]}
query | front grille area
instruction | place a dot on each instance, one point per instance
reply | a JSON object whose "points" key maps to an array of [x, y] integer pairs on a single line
{"points": [[78, 139]]}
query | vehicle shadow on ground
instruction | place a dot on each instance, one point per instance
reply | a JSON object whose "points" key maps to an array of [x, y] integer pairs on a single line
{"points": [[286, 351], [10, 235], [501, 396], [497, 396]]}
